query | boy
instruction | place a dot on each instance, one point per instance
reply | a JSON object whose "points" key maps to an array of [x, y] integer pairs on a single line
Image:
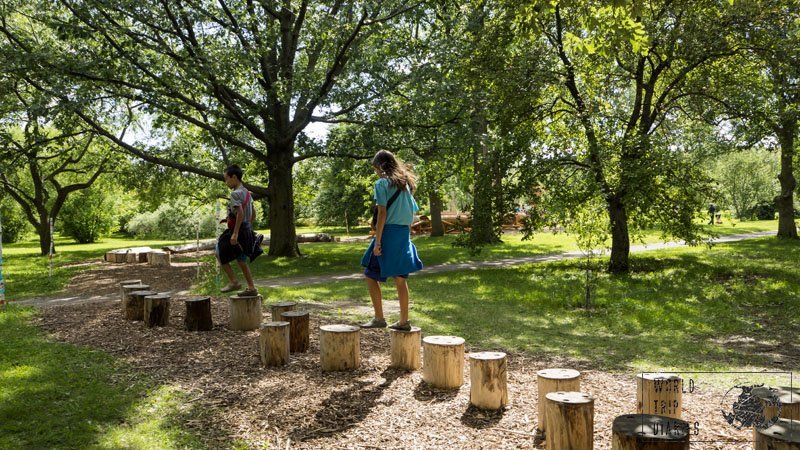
{"points": [[237, 242]]}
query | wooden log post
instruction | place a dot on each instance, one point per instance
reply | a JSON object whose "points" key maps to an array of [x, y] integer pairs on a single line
{"points": [[405, 348], [339, 347], [198, 315], [273, 343], [554, 380], [488, 380], [649, 432], [783, 435], [134, 309], [570, 421], [126, 295], [660, 394], [779, 401], [156, 310], [124, 283], [279, 308], [443, 361], [245, 312], [298, 330], [158, 258]]}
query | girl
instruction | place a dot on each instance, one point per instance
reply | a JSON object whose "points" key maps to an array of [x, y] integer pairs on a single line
{"points": [[391, 253]]}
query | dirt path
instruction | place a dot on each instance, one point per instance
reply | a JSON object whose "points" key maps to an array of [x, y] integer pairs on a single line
{"points": [[506, 262], [101, 285]]}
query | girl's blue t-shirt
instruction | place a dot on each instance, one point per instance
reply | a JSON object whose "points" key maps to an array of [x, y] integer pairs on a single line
{"points": [[403, 207]]}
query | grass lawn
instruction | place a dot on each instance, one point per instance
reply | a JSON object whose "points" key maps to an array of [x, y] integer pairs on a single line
{"points": [[685, 308], [55, 395], [26, 273], [327, 258]]}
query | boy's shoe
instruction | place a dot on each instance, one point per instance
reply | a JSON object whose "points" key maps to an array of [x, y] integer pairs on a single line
{"points": [[231, 287], [375, 323], [248, 292], [401, 326]]}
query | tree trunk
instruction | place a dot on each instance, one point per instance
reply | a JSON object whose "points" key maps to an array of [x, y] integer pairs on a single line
{"points": [[482, 211], [283, 236], [620, 241], [785, 201], [437, 228], [43, 230]]}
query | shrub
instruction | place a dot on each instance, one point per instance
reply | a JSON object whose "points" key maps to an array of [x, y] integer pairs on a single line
{"points": [[89, 215], [173, 221], [764, 210], [15, 225]]}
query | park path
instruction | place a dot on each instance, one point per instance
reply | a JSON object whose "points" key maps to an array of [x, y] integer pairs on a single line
{"points": [[439, 268], [498, 263]]}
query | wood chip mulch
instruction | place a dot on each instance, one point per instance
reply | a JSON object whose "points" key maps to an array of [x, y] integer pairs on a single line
{"points": [[299, 406]]}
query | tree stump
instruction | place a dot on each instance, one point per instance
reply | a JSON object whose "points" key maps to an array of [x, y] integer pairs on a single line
{"points": [[488, 380], [659, 394], [122, 285], [554, 380], [649, 432], [198, 315], [245, 312], [784, 435], [789, 398], [134, 309], [570, 421], [298, 330], [158, 258], [404, 348], [339, 347], [443, 361], [273, 343], [156, 310], [126, 295], [281, 307]]}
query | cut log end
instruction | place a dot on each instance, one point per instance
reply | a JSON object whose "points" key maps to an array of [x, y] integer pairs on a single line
{"points": [[405, 348], [554, 380], [156, 310], [274, 343], [298, 330], [245, 312], [443, 361], [488, 380], [649, 432], [783, 435], [339, 347], [198, 315]]}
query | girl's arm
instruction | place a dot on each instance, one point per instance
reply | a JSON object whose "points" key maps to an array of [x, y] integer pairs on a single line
{"points": [[379, 229]]}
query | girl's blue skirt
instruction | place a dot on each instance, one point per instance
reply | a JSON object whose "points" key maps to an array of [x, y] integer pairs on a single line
{"points": [[398, 256]]}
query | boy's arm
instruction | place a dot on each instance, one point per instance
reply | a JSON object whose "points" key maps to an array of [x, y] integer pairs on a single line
{"points": [[239, 219]]}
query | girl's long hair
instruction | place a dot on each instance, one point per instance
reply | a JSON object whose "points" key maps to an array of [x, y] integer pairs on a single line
{"points": [[394, 170]]}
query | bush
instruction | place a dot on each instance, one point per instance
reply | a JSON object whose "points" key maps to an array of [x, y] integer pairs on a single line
{"points": [[89, 215], [764, 210], [173, 221], [15, 225]]}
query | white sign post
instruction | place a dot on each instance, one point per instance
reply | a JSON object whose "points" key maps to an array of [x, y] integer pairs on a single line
{"points": [[52, 248], [2, 281], [216, 244]]}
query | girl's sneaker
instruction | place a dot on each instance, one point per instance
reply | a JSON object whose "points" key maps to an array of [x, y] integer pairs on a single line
{"points": [[231, 287], [375, 323], [401, 326]]}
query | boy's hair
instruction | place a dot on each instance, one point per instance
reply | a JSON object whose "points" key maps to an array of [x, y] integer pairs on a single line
{"points": [[234, 171], [398, 174]]}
